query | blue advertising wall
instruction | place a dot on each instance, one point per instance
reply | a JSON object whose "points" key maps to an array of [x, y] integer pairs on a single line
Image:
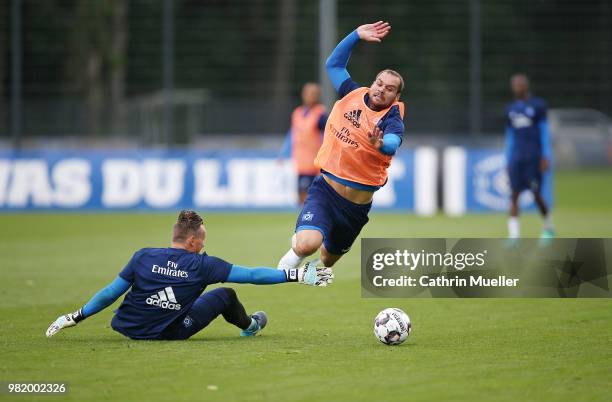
{"points": [[234, 180], [488, 186], [166, 180]]}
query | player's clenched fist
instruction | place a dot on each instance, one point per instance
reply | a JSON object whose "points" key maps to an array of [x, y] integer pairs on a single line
{"points": [[373, 32]]}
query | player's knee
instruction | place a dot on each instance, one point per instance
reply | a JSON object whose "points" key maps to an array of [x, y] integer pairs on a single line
{"points": [[306, 247], [231, 294]]}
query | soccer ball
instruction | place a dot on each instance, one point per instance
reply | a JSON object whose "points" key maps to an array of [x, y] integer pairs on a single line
{"points": [[392, 326]]}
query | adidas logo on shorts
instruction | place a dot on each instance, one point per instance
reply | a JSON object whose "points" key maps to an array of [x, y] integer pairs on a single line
{"points": [[353, 116], [164, 299]]}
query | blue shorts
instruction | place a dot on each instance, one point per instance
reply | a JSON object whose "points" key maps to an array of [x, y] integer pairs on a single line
{"points": [[525, 175], [304, 182], [338, 219], [205, 309]]}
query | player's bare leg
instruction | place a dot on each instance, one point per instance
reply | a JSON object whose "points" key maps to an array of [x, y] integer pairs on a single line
{"points": [[548, 231], [328, 259], [303, 243], [307, 242], [540, 203], [514, 228], [302, 196]]}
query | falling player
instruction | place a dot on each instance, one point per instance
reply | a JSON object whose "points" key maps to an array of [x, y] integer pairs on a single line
{"points": [[363, 132], [528, 152]]}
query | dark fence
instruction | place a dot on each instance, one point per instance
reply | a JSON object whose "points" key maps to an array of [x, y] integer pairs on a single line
{"points": [[95, 69]]}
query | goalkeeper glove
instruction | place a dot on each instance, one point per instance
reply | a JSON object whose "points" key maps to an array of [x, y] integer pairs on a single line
{"points": [[65, 321], [311, 274]]}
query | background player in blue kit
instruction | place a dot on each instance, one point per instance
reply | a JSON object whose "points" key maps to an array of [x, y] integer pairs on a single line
{"points": [[528, 152], [166, 300]]}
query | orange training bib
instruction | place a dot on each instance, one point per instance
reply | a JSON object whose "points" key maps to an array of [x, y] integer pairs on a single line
{"points": [[346, 151], [306, 139]]}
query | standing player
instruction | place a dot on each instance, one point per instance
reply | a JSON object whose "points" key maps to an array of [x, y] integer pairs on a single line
{"points": [[166, 300], [528, 152], [363, 132], [305, 136]]}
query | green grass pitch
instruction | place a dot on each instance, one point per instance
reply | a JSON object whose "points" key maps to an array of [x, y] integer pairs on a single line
{"points": [[319, 343]]}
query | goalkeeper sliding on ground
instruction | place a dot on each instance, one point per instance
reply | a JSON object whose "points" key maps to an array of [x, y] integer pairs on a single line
{"points": [[166, 300]]}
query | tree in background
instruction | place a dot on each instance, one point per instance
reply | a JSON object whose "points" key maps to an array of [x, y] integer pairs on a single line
{"points": [[97, 60]]}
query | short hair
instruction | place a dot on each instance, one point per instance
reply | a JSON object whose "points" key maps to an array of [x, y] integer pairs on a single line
{"points": [[520, 75], [395, 74], [187, 224], [311, 83]]}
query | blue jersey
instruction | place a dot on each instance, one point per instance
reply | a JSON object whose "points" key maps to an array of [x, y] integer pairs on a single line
{"points": [[526, 130], [165, 283]]}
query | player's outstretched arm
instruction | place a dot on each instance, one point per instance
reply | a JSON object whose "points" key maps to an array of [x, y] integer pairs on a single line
{"points": [[338, 59], [309, 274], [373, 32], [100, 301]]}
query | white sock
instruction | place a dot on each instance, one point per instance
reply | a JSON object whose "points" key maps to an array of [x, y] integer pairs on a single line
{"points": [[290, 260], [514, 227], [548, 225]]}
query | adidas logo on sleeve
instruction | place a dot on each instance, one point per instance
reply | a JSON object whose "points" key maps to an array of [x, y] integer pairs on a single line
{"points": [[164, 299]]}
